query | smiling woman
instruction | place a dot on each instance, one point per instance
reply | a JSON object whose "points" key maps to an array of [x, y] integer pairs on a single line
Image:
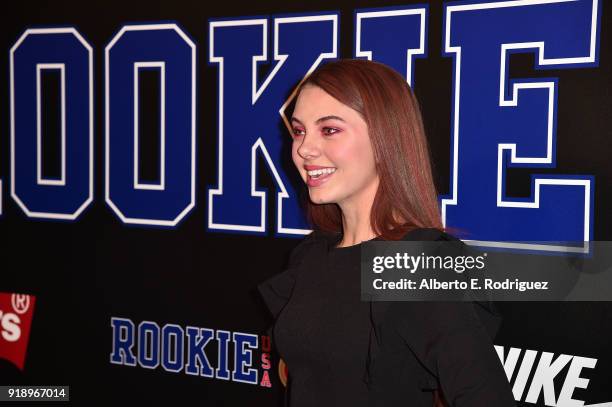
{"points": [[359, 145], [361, 118], [333, 152]]}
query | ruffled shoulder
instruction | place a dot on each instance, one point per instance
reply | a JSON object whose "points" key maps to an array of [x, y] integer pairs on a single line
{"points": [[486, 311], [451, 340], [277, 290]]}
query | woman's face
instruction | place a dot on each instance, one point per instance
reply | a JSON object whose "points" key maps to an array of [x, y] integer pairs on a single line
{"points": [[332, 150]]}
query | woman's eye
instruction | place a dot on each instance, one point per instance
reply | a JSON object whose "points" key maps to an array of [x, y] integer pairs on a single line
{"points": [[330, 130], [297, 132]]}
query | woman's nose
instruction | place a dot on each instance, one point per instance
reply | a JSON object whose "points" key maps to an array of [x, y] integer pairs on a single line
{"points": [[309, 148]]}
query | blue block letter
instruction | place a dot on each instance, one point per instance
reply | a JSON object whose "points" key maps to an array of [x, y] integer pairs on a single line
{"points": [[500, 122], [65, 51], [167, 49]]}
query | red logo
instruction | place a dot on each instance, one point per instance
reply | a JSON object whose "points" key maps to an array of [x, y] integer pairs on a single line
{"points": [[16, 311]]}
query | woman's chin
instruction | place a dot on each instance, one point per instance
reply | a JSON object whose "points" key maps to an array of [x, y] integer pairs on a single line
{"points": [[319, 198]]}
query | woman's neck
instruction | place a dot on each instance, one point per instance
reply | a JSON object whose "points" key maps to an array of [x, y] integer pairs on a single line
{"points": [[356, 226]]}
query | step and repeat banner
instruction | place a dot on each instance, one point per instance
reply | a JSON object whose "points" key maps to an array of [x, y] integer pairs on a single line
{"points": [[147, 187]]}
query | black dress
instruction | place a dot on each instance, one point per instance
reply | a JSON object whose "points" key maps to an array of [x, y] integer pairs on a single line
{"points": [[341, 351]]}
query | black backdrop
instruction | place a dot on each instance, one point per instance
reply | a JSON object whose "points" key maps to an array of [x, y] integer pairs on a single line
{"points": [[85, 272]]}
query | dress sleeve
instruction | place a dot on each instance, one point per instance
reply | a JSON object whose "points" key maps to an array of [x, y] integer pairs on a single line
{"points": [[277, 290]]}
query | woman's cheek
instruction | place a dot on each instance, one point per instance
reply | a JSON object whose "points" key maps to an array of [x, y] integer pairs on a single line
{"points": [[340, 154]]}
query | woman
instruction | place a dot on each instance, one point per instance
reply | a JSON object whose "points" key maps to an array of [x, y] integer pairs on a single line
{"points": [[360, 147]]}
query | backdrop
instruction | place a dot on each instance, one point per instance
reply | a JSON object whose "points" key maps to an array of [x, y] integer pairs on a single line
{"points": [[146, 185]]}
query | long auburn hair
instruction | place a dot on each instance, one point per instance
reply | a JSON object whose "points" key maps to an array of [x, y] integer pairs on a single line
{"points": [[406, 197]]}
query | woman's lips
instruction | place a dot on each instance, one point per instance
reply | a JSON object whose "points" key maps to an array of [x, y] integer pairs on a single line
{"points": [[321, 179]]}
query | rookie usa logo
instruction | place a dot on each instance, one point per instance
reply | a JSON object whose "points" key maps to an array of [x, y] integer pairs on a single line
{"points": [[214, 354]]}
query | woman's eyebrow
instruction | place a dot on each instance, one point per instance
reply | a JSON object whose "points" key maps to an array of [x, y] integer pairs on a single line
{"points": [[319, 120]]}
